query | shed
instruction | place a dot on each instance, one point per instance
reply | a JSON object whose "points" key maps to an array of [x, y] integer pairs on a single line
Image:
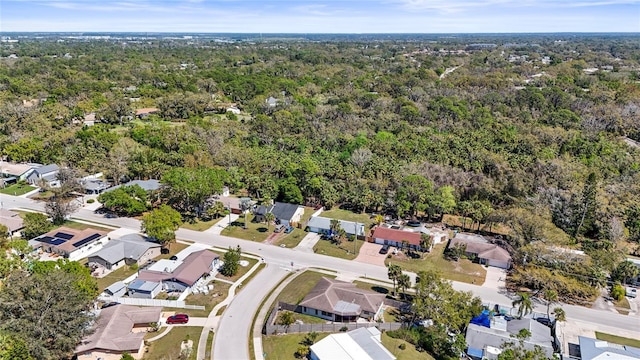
{"points": [[144, 289], [116, 289]]}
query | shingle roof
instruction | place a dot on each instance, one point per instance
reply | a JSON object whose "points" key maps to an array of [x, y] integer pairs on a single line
{"points": [[479, 245], [47, 169], [284, 211], [69, 239], [193, 267], [131, 246], [113, 329], [11, 220], [397, 235], [478, 336], [148, 185], [329, 295]]}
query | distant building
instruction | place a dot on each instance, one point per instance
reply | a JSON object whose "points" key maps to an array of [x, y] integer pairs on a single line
{"points": [[593, 349], [12, 220]]}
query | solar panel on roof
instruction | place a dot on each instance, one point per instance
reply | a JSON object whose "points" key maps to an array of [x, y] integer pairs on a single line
{"points": [[62, 235], [57, 241], [86, 240], [45, 239], [51, 240]]}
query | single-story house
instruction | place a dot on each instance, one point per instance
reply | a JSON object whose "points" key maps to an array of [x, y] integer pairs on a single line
{"points": [[233, 204], [94, 186], [144, 289], [287, 214], [147, 185], [593, 349], [144, 113], [486, 336], [46, 173], [129, 249], [322, 225], [179, 275], [117, 289], [387, 236], [11, 220], [438, 235], [70, 243], [341, 301], [13, 172], [480, 248], [118, 329], [362, 344]]}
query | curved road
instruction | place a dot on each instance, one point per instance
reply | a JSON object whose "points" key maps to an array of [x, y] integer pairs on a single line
{"points": [[234, 327]]}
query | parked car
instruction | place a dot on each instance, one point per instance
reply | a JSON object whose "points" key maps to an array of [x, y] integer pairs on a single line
{"points": [[174, 258], [631, 292], [279, 228], [109, 304], [414, 223], [288, 230], [178, 319], [384, 249], [545, 321]]}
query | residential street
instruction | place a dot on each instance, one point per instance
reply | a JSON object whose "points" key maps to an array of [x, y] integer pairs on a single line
{"points": [[231, 341]]}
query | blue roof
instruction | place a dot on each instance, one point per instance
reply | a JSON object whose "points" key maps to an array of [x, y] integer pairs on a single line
{"points": [[482, 319], [475, 352]]}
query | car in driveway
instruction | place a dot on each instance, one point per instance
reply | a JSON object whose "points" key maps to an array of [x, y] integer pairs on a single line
{"points": [[178, 319], [288, 230], [279, 228], [384, 249]]}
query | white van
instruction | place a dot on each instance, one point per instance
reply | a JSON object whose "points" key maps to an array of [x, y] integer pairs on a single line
{"points": [[631, 292]]}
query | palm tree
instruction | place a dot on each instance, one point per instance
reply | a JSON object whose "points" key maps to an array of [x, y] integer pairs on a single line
{"points": [[404, 282], [559, 314], [425, 242], [286, 319], [394, 272], [524, 304], [551, 296], [269, 217]]}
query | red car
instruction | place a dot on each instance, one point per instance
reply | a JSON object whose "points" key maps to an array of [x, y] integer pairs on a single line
{"points": [[178, 319]]}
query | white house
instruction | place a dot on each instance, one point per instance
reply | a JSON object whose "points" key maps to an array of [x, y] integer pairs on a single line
{"points": [[322, 225], [361, 344]]}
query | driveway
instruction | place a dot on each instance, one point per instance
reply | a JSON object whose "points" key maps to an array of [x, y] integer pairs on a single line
{"points": [[370, 254], [223, 223], [495, 278], [308, 242]]}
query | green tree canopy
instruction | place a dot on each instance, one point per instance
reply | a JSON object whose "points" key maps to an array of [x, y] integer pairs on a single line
{"points": [[35, 224], [161, 224], [186, 189], [125, 200]]}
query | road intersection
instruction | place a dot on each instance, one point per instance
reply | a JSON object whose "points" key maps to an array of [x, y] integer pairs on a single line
{"points": [[232, 336]]}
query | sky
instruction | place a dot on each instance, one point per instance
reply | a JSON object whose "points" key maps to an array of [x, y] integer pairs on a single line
{"points": [[321, 16]]}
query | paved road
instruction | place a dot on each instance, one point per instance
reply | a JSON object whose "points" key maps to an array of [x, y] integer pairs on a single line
{"points": [[231, 339], [278, 258]]}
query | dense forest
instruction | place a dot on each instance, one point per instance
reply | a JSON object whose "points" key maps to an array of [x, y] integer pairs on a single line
{"points": [[537, 133]]}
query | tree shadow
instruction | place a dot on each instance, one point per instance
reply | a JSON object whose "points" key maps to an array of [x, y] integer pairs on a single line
{"points": [[262, 229], [380, 289]]}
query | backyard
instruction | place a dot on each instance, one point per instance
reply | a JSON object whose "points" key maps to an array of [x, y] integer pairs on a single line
{"points": [[284, 346], [462, 270], [168, 347], [347, 215], [297, 289], [345, 250], [408, 353]]}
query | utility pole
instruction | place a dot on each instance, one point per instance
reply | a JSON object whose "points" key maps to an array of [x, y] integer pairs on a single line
{"points": [[355, 241]]}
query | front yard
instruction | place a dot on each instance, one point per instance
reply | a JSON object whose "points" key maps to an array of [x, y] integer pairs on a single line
{"points": [[199, 225], [17, 189], [344, 251], [462, 270], [291, 240], [209, 301], [254, 231], [283, 347], [168, 347]]}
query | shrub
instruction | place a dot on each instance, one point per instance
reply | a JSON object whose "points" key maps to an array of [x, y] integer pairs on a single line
{"points": [[618, 292], [91, 201], [127, 356], [133, 266], [344, 329], [402, 346]]}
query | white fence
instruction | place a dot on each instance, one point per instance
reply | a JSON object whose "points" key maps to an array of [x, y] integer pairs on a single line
{"points": [[151, 302]]}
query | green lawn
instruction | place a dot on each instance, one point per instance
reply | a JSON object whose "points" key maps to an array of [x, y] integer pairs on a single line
{"points": [[623, 306], [17, 189], [82, 226], [374, 287], [125, 271], [308, 211], [291, 240], [618, 339], [390, 314], [347, 215], [241, 270], [409, 353], [209, 301], [253, 232], [297, 289], [168, 347], [283, 347], [199, 225], [462, 270], [344, 250]]}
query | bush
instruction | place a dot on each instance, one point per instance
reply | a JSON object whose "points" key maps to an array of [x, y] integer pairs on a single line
{"points": [[344, 329], [91, 201], [133, 266], [402, 346], [618, 292]]}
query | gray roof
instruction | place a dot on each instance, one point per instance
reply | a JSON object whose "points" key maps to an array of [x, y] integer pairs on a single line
{"points": [[148, 185], [130, 246], [478, 336], [47, 169], [325, 223], [284, 211], [143, 286], [330, 295], [115, 287], [95, 184], [593, 348]]}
